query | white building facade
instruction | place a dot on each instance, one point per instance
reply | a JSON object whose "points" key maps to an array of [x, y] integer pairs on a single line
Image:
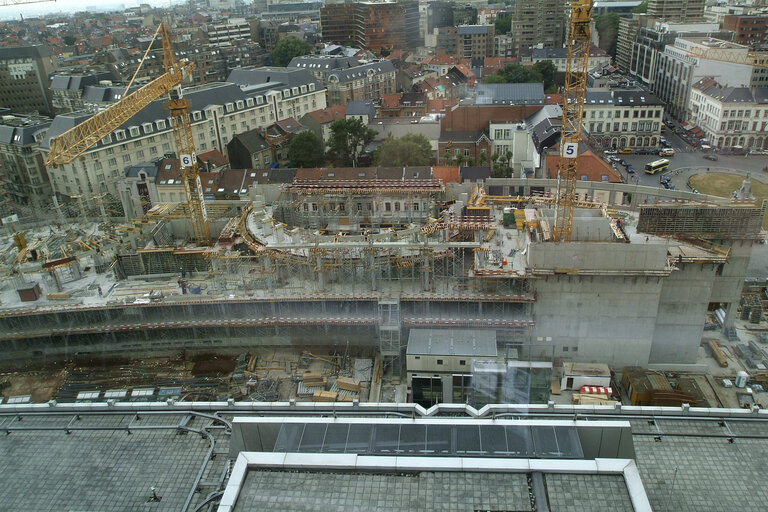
{"points": [[730, 116], [218, 112]]}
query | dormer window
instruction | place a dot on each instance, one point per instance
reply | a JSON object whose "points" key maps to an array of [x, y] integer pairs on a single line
{"points": [[147, 127], [120, 134], [134, 131]]}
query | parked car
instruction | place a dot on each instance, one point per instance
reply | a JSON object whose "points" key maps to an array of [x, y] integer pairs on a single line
{"points": [[625, 151], [610, 151], [711, 157], [623, 162], [630, 169], [614, 159], [667, 152]]}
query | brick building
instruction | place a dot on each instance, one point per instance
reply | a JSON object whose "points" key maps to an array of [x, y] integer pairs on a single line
{"points": [[749, 30]]}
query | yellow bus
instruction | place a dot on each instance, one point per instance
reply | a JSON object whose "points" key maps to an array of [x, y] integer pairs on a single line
{"points": [[660, 165]]}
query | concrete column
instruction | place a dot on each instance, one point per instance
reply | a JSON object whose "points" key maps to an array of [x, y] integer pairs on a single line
{"points": [[447, 381]]}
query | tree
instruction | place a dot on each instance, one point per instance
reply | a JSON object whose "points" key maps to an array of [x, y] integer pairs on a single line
{"points": [[409, 150], [547, 70], [494, 79], [607, 26], [642, 8], [288, 48], [447, 157], [502, 25], [306, 150], [348, 139], [69, 40], [515, 74]]}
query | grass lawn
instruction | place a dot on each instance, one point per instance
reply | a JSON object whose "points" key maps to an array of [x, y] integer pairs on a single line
{"points": [[723, 185]]}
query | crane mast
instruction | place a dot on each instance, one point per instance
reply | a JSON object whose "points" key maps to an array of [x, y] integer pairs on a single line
{"points": [[577, 66], [74, 142]]}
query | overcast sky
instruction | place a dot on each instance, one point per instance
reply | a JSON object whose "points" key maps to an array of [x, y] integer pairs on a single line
{"points": [[67, 6]]}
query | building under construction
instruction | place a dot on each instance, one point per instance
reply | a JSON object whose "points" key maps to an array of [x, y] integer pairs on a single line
{"points": [[347, 263]]}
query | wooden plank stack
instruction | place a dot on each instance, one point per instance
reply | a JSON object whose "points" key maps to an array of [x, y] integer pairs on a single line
{"points": [[325, 396], [314, 379], [348, 384]]}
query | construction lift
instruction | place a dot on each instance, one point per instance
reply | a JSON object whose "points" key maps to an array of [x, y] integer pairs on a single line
{"points": [[69, 145], [576, 69]]}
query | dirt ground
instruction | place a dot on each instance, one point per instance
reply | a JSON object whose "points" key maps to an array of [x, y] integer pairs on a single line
{"points": [[40, 386]]}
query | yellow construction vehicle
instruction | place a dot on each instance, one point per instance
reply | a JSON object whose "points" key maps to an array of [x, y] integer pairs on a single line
{"points": [[74, 142]]}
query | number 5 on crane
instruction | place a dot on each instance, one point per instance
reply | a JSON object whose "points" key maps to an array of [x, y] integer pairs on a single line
{"points": [[570, 150]]}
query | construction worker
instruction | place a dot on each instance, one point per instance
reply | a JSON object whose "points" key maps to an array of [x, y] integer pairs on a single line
{"points": [[101, 293]]}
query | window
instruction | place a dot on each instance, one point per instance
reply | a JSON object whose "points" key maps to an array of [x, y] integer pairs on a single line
{"points": [[462, 362], [112, 162], [306, 207], [388, 207], [415, 207], [397, 206], [359, 207], [120, 134], [466, 151], [134, 131], [439, 361]]}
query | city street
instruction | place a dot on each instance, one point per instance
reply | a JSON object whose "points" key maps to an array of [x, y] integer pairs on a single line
{"points": [[690, 161]]}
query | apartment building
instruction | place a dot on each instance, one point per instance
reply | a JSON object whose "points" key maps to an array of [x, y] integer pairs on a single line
{"points": [[629, 27], [373, 26], [24, 72], [677, 10], [346, 79], [679, 69], [366, 82], [749, 29], [623, 119], [730, 116], [23, 177], [234, 29], [650, 42], [320, 66], [539, 22], [67, 89], [255, 98]]}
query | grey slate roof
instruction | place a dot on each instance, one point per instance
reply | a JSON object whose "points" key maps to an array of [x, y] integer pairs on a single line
{"points": [[549, 53], [356, 73], [737, 94], [22, 135], [14, 52], [361, 108], [78, 82], [104, 94], [252, 140], [289, 77], [464, 30], [621, 98], [323, 62], [149, 168], [510, 94], [198, 98]]}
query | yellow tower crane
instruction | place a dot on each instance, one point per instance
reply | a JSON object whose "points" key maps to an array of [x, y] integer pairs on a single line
{"points": [[576, 69], [74, 142]]}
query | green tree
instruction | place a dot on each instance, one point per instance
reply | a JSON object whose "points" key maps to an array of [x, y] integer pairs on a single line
{"points": [[642, 8], [459, 159], [410, 149], [607, 26], [447, 157], [306, 150], [69, 40], [515, 74], [288, 48], [502, 25], [547, 70], [494, 79], [348, 139]]}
